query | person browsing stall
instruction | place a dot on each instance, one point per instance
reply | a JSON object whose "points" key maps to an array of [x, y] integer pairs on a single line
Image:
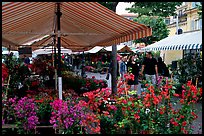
{"points": [[150, 69]]}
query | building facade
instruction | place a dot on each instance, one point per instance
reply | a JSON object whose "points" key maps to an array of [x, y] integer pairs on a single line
{"points": [[188, 21]]}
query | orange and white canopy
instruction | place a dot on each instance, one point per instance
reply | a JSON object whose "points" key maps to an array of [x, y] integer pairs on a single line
{"points": [[84, 25]]}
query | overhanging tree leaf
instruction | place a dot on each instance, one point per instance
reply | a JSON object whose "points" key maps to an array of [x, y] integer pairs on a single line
{"points": [[163, 9], [200, 9], [159, 29], [110, 5]]}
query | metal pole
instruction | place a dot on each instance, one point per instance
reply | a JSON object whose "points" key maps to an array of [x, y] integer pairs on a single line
{"points": [[114, 71], [83, 65], [55, 62], [177, 24], [58, 13]]}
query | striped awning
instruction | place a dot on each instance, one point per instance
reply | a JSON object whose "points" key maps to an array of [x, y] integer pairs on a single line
{"points": [[84, 25], [185, 41]]}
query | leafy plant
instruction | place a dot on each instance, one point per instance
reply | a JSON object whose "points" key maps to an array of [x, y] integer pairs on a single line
{"points": [[189, 68], [162, 9], [66, 115], [151, 113], [81, 85], [200, 9], [159, 28], [23, 113]]}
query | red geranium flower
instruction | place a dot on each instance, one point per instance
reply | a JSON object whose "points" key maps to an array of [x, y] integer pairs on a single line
{"points": [[177, 95], [181, 116], [184, 123], [136, 116]]}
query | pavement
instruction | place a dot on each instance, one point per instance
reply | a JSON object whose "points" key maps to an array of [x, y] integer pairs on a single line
{"points": [[197, 123]]}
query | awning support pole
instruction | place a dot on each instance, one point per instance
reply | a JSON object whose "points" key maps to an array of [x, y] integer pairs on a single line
{"points": [[58, 13], [114, 71], [55, 61], [83, 66]]}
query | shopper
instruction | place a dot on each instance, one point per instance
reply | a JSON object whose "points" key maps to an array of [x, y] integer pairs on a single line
{"points": [[26, 60], [149, 67], [133, 67], [123, 67], [163, 71]]}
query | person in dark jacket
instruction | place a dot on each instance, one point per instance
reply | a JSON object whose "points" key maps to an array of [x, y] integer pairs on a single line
{"points": [[26, 60], [150, 69], [133, 67], [162, 68]]}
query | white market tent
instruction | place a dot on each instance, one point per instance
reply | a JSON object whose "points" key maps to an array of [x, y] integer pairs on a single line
{"points": [[185, 41], [48, 50], [94, 50], [120, 47], [14, 52]]}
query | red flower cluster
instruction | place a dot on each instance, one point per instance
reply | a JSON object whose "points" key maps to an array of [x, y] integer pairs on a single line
{"points": [[150, 97], [89, 119], [35, 83], [4, 72], [96, 97], [172, 121], [190, 93], [129, 76]]}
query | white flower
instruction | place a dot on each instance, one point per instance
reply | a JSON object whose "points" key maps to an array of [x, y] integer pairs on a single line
{"points": [[109, 102], [109, 99], [147, 111], [105, 101], [20, 86]]}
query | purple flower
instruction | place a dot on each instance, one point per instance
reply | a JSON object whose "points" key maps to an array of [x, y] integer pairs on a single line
{"points": [[3, 121], [65, 113], [25, 112]]}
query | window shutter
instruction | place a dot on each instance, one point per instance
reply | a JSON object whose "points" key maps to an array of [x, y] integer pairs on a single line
{"points": [[192, 25], [200, 24]]}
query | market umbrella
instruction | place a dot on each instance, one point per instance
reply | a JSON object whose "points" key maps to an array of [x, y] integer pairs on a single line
{"points": [[84, 25]]}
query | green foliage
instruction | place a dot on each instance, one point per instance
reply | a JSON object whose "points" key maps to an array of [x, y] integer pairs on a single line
{"points": [[190, 67], [200, 10], [79, 84], [18, 72], [159, 29], [163, 9], [44, 112], [110, 5]]}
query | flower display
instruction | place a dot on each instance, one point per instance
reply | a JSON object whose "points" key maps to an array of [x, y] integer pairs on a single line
{"points": [[4, 73], [24, 114], [65, 115], [98, 111], [150, 113]]}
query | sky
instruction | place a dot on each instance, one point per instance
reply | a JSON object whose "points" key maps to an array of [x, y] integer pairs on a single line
{"points": [[120, 9]]}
